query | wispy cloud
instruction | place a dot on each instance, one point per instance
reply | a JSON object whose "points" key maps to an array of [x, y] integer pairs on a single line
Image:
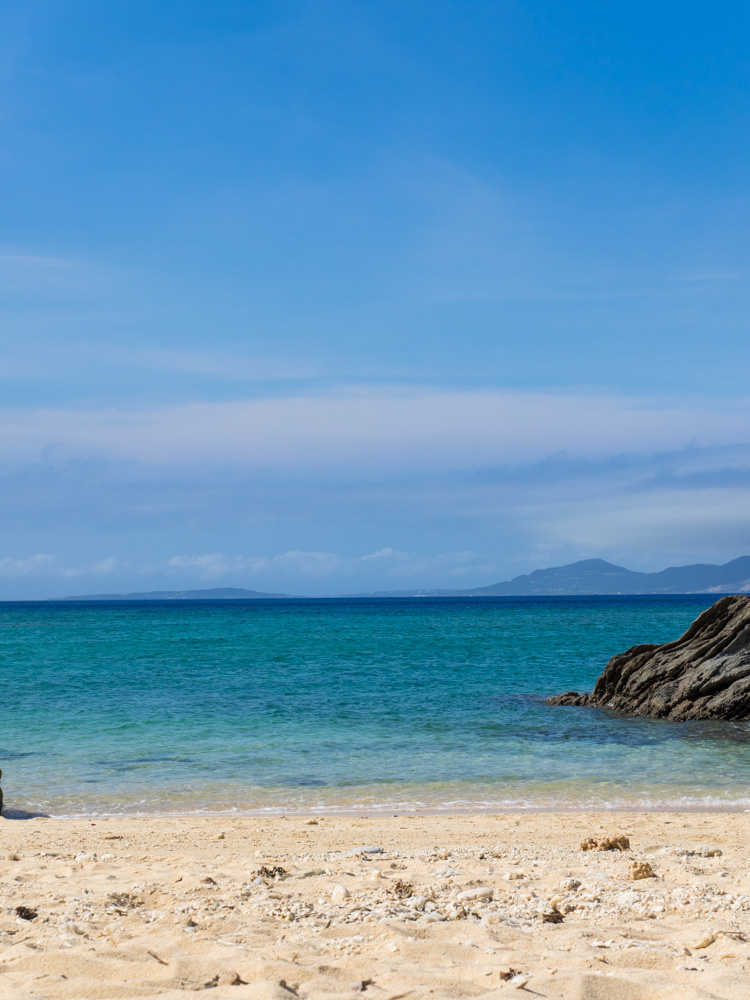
{"points": [[166, 526], [29, 566], [44, 275], [658, 517], [230, 366], [214, 565], [46, 565], [387, 564], [401, 428], [105, 567], [391, 564]]}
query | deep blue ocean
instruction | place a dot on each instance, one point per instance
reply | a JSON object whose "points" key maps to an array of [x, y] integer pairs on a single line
{"points": [[339, 705]]}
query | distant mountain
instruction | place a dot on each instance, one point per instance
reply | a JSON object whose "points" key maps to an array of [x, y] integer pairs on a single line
{"points": [[215, 594], [595, 576], [589, 576]]}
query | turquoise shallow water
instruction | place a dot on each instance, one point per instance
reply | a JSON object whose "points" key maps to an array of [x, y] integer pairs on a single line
{"points": [[343, 704]]}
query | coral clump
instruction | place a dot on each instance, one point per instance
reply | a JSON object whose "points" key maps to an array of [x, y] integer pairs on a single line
{"points": [[641, 869], [614, 842]]}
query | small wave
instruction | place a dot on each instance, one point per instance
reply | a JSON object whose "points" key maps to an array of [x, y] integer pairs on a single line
{"points": [[459, 801]]}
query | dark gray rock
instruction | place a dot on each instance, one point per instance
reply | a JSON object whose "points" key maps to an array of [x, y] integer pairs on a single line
{"points": [[705, 674], [570, 698]]}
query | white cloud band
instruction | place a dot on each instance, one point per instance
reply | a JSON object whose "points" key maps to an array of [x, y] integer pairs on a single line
{"points": [[400, 429]]}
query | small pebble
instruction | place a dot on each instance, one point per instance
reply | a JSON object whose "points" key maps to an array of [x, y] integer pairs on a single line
{"points": [[569, 885], [710, 852], [705, 942], [230, 978], [471, 894], [339, 893]]}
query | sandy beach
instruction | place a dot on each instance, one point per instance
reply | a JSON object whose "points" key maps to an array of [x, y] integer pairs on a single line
{"points": [[426, 905]]}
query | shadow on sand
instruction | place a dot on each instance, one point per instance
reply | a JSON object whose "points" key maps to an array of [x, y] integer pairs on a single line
{"points": [[23, 814]]}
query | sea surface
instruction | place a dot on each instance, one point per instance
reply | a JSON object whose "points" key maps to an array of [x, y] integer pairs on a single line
{"points": [[343, 705]]}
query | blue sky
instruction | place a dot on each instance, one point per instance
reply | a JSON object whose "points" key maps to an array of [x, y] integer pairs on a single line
{"points": [[330, 296]]}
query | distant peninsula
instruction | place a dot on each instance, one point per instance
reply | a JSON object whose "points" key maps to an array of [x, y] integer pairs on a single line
{"points": [[214, 594], [589, 577]]}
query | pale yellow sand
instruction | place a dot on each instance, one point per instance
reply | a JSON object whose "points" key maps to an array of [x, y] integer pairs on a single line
{"points": [[161, 907]]}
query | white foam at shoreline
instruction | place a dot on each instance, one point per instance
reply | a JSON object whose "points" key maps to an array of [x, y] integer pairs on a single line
{"points": [[639, 804]]}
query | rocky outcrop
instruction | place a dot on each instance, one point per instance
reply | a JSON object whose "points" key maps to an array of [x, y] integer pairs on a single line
{"points": [[705, 674]]}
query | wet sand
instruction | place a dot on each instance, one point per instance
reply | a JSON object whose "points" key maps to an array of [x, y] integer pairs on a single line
{"points": [[440, 906]]}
